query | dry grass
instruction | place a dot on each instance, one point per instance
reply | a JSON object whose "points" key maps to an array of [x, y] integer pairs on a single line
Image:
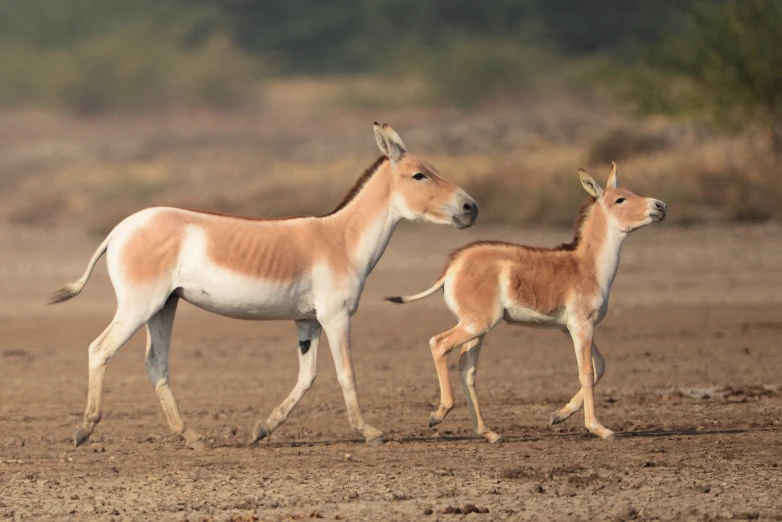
{"points": [[304, 148]]}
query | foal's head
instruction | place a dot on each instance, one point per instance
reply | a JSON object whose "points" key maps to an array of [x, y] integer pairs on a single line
{"points": [[418, 193], [625, 210]]}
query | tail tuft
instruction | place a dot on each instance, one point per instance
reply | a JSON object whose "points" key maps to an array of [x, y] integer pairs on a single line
{"points": [[395, 299], [68, 291], [73, 289]]}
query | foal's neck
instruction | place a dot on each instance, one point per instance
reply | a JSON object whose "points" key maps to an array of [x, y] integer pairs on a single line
{"points": [[599, 249]]}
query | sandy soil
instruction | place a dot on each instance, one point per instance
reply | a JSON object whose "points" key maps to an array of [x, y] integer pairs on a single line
{"points": [[692, 343]]}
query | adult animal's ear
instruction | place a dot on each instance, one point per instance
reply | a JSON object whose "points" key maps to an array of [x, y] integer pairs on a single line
{"points": [[389, 142], [590, 185]]}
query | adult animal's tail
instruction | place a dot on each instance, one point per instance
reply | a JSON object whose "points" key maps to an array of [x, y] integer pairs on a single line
{"points": [[73, 289]]}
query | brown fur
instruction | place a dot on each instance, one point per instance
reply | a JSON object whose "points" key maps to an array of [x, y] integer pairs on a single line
{"points": [[281, 252], [282, 249], [153, 250], [159, 248], [583, 214], [564, 287]]}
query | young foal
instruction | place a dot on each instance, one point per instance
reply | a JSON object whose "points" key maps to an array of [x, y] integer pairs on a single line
{"points": [[308, 269], [565, 287]]}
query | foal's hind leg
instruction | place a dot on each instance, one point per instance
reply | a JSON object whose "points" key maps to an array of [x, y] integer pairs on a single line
{"points": [[576, 403], [159, 328], [441, 345], [468, 369], [122, 327]]}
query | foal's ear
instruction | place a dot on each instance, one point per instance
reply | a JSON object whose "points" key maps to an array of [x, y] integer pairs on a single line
{"points": [[612, 178], [589, 184], [389, 142]]}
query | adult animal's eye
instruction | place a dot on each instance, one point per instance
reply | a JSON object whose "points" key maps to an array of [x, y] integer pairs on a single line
{"points": [[620, 201], [419, 176]]}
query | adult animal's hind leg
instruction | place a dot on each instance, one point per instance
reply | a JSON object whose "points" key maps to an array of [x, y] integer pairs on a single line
{"points": [[159, 329], [309, 338], [575, 404], [102, 349], [441, 345], [468, 370]]}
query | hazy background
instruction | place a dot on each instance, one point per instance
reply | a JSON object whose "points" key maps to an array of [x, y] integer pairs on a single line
{"points": [[265, 107]]}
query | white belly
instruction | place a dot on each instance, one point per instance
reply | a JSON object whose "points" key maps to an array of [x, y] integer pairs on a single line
{"points": [[216, 289], [515, 314], [245, 298]]}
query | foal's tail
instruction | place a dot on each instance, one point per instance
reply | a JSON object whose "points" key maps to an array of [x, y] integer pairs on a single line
{"points": [[73, 289], [426, 293]]}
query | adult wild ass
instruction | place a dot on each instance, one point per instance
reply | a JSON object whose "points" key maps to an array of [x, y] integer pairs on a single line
{"points": [[565, 287], [307, 269]]}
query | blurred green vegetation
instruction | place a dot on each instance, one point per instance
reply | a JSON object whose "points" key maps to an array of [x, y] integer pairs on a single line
{"points": [[724, 67], [93, 56], [719, 60]]}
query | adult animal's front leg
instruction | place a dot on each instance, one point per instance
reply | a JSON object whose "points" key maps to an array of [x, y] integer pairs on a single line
{"points": [[337, 330], [309, 338]]}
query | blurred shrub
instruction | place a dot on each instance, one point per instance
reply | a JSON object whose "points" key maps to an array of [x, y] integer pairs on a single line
{"points": [[714, 181], [737, 192], [724, 67], [622, 143], [134, 69]]}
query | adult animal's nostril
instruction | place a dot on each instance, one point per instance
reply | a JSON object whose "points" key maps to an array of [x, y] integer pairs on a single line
{"points": [[469, 207], [659, 205]]}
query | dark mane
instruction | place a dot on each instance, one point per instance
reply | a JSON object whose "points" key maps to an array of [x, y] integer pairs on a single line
{"points": [[583, 214], [347, 198], [359, 184]]}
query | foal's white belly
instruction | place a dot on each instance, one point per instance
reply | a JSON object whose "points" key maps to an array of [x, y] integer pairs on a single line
{"points": [[527, 316]]}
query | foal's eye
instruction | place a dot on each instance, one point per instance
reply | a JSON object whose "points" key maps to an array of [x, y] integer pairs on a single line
{"points": [[419, 176], [620, 201]]}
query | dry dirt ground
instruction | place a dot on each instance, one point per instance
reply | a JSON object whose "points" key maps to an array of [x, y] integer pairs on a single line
{"points": [[692, 343]]}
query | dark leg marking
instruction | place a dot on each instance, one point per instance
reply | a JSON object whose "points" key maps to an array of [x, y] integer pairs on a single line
{"points": [[304, 346]]}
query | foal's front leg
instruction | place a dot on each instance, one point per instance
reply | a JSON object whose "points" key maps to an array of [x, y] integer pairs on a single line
{"points": [[582, 334], [337, 330], [575, 404]]}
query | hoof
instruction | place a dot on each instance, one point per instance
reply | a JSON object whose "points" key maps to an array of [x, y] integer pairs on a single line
{"points": [[372, 436], [197, 445], [556, 418], [80, 437], [260, 431], [433, 420], [608, 436], [377, 440], [193, 440], [492, 437]]}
